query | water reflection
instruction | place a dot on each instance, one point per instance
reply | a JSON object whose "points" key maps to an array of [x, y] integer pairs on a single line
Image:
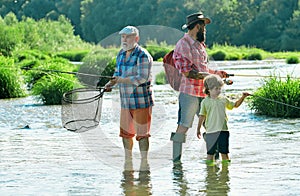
{"points": [[141, 185], [179, 178], [217, 180]]}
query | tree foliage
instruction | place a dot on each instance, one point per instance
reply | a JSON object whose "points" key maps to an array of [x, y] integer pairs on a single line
{"points": [[268, 24]]}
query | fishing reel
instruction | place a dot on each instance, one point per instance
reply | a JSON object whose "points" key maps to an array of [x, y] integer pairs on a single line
{"points": [[227, 81]]}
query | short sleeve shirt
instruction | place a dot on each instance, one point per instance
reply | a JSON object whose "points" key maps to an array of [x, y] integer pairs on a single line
{"points": [[215, 112]]}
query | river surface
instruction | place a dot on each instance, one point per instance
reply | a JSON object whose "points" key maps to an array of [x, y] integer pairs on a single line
{"points": [[46, 159]]}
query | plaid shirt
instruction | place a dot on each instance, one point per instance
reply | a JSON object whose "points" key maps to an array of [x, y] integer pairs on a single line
{"points": [[188, 55], [138, 68]]}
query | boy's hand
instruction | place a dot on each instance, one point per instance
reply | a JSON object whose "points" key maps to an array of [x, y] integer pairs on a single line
{"points": [[245, 94], [199, 134]]}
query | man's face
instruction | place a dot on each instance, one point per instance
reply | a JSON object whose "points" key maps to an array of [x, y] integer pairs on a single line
{"points": [[128, 42], [201, 35]]}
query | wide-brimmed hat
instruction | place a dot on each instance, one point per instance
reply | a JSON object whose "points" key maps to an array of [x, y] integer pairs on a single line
{"points": [[190, 19], [128, 30]]}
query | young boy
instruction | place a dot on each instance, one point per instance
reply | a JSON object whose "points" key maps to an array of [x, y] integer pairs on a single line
{"points": [[213, 112]]}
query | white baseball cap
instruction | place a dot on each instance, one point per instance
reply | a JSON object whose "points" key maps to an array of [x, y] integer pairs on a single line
{"points": [[128, 30]]}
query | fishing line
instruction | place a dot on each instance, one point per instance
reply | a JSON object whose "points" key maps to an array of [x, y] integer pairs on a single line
{"points": [[261, 76], [276, 101]]}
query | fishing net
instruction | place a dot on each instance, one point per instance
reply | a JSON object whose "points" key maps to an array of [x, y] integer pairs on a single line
{"points": [[81, 109]]}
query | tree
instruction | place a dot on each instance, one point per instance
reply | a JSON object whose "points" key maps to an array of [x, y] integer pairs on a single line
{"points": [[290, 38], [38, 9]]}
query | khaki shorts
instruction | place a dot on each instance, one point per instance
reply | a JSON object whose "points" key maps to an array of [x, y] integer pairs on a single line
{"points": [[135, 122]]}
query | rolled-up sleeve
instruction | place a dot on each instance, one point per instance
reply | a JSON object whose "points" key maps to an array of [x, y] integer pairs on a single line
{"points": [[144, 64]]}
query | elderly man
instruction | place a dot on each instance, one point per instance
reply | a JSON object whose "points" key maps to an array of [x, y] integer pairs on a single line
{"points": [[133, 76]]}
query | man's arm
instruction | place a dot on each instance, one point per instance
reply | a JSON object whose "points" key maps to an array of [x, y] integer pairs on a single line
{"points": [[193, 74]]}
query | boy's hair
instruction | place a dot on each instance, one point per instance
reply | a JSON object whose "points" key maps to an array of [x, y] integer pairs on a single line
{"points": [[211, 81]]}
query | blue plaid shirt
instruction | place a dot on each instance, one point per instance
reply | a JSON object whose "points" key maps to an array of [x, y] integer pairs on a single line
{"points": [[138, 68]]}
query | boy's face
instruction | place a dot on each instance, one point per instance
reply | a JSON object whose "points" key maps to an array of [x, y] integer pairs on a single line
{"points": [[215, 92]]}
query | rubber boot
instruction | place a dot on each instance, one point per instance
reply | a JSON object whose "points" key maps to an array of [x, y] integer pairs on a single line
{"points": [[178, 139], [144, 147]]}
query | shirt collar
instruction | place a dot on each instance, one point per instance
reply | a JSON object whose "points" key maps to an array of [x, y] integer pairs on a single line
{"points": [[192, 41]]}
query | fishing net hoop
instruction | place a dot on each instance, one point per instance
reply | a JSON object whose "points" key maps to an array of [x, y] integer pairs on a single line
{"points": [[81, 109]]}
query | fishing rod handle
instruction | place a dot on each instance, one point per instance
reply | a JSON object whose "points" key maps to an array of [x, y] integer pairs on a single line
{"points": [[228, 75]]}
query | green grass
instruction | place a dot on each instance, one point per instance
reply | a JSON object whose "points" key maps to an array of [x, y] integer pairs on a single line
{"points": [[277, 98], [12, 84]]}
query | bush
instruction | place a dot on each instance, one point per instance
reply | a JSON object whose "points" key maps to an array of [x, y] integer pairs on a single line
{"points": [[46, 67], [160, 78], [233, 56], [292, 60], [11, 82], [277, 98], [157, 52], [74, 55], [10, 37], [219, 55], [254, 56], [50, 88], [30, 55], [101, 62]]}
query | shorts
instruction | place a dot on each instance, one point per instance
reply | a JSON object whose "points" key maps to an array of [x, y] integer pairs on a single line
{"points": [[189, 106], [135, 122], [218, 140]]}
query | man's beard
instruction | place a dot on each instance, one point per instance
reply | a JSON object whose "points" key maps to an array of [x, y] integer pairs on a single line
{"points": [[201, 36], [126, 46]]}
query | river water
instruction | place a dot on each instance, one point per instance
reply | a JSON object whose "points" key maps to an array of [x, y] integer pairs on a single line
{"points": [[46, 159]]}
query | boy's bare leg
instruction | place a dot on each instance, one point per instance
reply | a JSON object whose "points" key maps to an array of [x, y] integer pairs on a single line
{"points": [[210, 157], [225, 157]]}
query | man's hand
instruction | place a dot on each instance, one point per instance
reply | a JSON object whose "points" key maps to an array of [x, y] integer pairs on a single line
{"points": [[108, 86], [194, 74], [222, 74]]}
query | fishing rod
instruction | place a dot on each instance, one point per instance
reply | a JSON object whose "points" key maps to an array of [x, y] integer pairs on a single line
{"points": [[260, 76], [67, 72]]}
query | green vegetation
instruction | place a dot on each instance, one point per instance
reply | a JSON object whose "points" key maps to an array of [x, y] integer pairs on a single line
{"points": [[50, 88], [11, 82], [160, 78], [158, 50], [219, 55], [73, 55], [43, 35], [292, 60], [100, 62], [272, 25], [229, 52], [31, 48], [276, 98]]}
